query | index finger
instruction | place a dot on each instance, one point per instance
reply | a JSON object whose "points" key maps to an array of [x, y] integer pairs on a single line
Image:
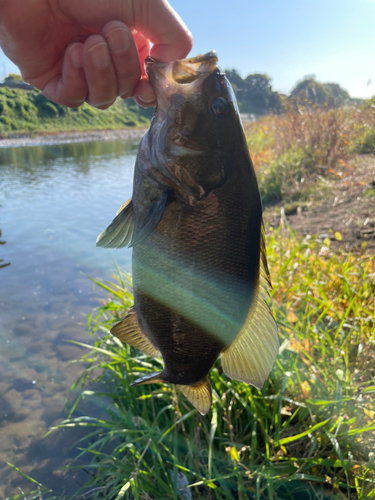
{"points": [[164, 28]]}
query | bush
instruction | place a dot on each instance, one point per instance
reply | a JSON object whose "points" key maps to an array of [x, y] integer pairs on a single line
{"points": [[365, 144], [282, 176]]}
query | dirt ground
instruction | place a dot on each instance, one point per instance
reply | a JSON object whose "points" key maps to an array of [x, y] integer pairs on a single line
{"points": [[347, 208]]}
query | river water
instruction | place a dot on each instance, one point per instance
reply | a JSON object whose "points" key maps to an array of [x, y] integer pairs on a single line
{"points": [[54, 201]]}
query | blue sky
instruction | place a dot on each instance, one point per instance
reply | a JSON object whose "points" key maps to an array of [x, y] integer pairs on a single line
{"points": [[333, 39]]}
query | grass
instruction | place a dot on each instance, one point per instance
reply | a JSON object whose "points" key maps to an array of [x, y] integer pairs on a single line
{"points": [[27, 112], [310, 432]]}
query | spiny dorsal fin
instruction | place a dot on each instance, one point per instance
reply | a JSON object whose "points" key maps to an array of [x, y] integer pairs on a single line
{"points": [[199, 395], [119, 233], [264, 272], [252, 354], [129, 332]]}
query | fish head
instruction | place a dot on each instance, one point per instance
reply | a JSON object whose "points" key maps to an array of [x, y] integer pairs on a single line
{"points": [[193, 134]]}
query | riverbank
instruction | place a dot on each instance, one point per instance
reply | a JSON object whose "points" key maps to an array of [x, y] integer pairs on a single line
{"points": [[49, 138]]}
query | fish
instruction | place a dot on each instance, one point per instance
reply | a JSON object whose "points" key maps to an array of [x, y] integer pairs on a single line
{"points": [[194, 222]]}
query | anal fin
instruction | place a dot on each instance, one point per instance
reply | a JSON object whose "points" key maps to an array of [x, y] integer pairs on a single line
{"points": [[199, 395], [251, 356], [129, 332], [119, 233]]}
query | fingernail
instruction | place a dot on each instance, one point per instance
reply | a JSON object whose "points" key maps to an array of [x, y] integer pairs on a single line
{"points": [[100, 55], [118, 40], [75, 52], [146, 99], [143, 102]]}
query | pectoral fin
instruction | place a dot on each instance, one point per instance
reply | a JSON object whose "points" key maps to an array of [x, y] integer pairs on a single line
{"points": [[119, 233], [199, 395], [251, 356], [129, 332], [152, 219]]}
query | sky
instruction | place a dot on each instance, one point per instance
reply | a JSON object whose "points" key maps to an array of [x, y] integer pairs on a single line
{"points": [[331, 39]]}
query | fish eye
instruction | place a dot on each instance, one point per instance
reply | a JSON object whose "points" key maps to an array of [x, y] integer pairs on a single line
{"points": [[218, 106]]}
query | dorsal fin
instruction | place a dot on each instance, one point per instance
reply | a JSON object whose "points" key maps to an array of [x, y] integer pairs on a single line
{"points": [[119, 233], [264, 271], [251, 356], [199, 395], [129, 332]]}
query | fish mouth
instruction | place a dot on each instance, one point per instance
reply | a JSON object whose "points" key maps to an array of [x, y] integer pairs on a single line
{"points": [[182, 71]]}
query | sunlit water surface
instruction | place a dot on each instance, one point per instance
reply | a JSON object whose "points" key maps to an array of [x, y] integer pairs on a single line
{"points": [[55, 200]]}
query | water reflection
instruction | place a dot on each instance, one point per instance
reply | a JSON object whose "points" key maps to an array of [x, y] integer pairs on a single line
{"points": [[55, 201], [30, 162], [2, 263]]}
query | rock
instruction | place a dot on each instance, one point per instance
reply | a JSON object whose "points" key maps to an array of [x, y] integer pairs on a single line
{"points": [[12, 408], [21, 384]]}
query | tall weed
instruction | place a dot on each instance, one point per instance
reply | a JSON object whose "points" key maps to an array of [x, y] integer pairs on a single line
{"points": [[304, 143]]}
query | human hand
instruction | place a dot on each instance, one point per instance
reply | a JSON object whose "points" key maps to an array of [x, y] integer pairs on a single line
{"points": [[91, 50]]}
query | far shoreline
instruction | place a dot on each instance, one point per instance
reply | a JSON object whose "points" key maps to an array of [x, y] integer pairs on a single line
{"points": [[46, 138]]}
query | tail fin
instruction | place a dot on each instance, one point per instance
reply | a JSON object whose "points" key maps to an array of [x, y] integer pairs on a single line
{"points": [[199, 395]]}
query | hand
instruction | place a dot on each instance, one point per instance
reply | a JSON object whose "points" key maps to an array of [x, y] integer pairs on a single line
{"points": [[91, 50]]}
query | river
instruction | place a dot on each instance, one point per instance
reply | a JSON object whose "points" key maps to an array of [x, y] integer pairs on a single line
{"points": [[54, 201]]}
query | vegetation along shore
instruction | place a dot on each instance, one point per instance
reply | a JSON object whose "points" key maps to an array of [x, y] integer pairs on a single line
{"points": [[24, 110]]}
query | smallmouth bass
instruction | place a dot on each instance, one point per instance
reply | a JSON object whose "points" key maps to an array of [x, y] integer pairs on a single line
{"points": [[199, 267]]}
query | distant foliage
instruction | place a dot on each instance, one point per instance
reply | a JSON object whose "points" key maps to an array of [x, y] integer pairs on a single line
{"points": [[312, 93], [255, 94], [30, 111], [12, 78]]}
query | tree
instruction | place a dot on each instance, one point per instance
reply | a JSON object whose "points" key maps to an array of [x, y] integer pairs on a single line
{"points": [[254, 93], [13, 78], [309, 92]]}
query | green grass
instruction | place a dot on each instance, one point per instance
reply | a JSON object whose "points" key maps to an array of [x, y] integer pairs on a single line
{"points": [[365, 143], [310, 432], [25, 112], [369, 192]]}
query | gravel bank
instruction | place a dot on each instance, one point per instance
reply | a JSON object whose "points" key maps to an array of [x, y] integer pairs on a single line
{"points": [[70, 137]]}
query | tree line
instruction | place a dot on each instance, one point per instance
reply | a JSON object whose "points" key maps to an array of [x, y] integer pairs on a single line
{"points": [[255, 94]]}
